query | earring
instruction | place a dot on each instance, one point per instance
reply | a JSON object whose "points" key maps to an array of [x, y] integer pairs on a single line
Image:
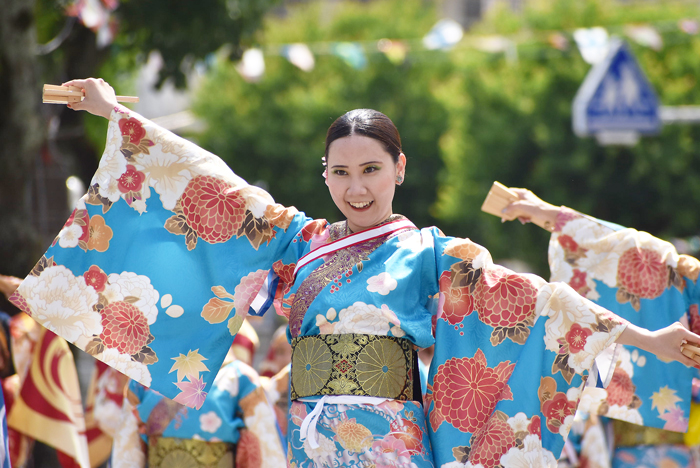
{"points": [[399, 180]]}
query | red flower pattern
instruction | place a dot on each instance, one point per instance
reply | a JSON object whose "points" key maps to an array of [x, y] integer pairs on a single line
{"points": [[96, 278], [535, 426], [410, 433], [131, 180], [248, 450], [213, 208], [568, 243], [565, 215], [124, 327], [621, 389], [86, 223], [285, 272], [694, 318], [20, 302], [491, 442], [556, 410], [70, 219], [133, 129], [316, 226], [578, 282], [504, 298], [465, 391], [576, 337], [286, 276], [642, 273], [455, 303]]}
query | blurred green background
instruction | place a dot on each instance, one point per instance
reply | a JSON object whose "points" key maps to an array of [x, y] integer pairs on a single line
{"points": [[468, 115]]}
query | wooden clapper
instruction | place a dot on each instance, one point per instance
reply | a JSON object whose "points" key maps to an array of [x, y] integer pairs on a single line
{"points": [[500, 196], [53, 94], [693, 352]]}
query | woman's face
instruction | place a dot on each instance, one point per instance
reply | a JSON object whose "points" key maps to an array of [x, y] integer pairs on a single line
{"points": [[362, 179]]}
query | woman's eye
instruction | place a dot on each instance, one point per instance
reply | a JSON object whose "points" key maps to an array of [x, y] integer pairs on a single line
{"points": [[339, 172], [371, 168]]}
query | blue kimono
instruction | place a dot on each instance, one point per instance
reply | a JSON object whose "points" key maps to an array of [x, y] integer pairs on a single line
{"points": [[235, 413], [643, 279], [169, 251]]}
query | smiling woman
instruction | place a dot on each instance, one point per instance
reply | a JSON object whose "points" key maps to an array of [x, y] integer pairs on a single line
{"points": [[360, 294], [361, 179], [364, 164]]}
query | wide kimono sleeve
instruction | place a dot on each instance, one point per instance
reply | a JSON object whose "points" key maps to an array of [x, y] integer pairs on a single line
{"points": [[161, 260], [642, 279], [512, 353]]}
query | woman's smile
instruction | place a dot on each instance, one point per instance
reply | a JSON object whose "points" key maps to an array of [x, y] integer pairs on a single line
{"points": [[361, 205]]}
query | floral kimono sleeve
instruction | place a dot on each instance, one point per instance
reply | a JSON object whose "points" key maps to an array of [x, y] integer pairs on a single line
{"points": [[260, 442], [512, 353], [642, 279], [161, 260]]}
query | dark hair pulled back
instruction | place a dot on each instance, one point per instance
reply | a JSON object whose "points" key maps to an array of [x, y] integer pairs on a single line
{"points": [[369, 123]]}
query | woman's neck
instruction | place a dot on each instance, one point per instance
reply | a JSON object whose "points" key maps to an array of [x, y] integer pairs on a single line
{"points": [[349, 230]]}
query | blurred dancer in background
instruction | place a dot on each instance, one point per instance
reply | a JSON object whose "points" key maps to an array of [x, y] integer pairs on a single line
{"points": [[235, 426], [643, 279]]}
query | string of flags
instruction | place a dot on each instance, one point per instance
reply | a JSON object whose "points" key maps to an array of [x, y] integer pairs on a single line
{"points": [[446, 34]]}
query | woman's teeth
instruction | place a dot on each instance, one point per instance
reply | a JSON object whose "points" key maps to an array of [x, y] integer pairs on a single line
{"points": [[360, 205]]}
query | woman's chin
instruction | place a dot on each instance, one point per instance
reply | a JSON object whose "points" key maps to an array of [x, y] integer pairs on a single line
{"points": [[360, 223]]}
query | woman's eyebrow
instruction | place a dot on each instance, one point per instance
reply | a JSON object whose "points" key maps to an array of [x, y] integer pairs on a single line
{"points": [[361, 164]]}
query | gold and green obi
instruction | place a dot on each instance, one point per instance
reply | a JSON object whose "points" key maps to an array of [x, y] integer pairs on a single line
{"points": [[168, 452], [631, 435], [353, 364]]}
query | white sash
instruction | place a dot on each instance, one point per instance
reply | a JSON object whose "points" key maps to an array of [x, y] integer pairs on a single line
{"points": [[308, 425], [353, 239]]}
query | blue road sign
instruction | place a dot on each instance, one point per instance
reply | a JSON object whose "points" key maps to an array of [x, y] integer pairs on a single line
{"points": [[616, 97]]}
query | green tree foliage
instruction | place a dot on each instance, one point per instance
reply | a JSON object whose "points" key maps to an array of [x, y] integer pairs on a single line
{"points": [[182, 30], [514, 125], [272, 132], [466, 117]]}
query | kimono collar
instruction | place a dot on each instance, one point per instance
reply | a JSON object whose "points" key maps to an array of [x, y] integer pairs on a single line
{"points": [[393, 224]]}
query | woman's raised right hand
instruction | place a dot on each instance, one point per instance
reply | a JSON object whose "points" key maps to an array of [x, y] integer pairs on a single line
{"points": [[100, 97]]}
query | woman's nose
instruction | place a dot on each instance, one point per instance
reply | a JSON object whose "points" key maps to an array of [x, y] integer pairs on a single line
{"points": [[357, 187]]}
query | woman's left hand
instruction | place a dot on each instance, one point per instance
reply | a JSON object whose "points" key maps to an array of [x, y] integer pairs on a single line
{"points": [[8, 284], [664, 343], [100, 97]]}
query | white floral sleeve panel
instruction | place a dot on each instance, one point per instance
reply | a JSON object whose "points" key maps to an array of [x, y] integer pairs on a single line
{"points": [[642, 279]]}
